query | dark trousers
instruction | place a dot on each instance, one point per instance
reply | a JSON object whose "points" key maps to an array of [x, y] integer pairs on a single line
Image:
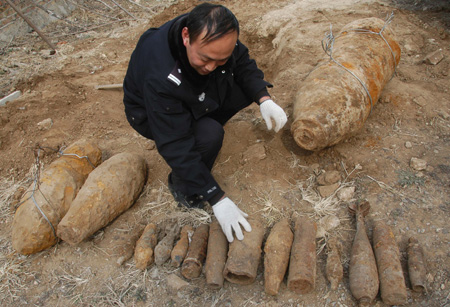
{"points": [[208, 130]]}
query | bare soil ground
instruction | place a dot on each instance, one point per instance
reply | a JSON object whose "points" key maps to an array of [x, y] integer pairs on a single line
{"points": [[266, 173]]}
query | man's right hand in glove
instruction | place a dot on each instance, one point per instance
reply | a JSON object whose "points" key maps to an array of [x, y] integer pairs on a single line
{"points": [[230, 218]]}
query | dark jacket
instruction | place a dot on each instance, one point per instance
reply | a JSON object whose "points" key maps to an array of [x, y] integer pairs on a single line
{"points": [[161, 88]]}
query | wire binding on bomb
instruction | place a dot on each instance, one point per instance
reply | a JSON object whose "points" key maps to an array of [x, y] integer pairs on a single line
{"points": [[36, 183], [328, 42]]}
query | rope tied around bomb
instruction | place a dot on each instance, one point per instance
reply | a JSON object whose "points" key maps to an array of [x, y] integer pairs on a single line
{"points": [[328, 43], [36, 181]]}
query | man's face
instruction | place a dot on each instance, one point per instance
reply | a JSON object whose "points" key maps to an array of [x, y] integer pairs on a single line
{"points": [[205, 57]]}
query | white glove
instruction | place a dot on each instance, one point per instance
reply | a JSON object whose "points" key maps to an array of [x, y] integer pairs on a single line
{"points": [[229, 217], [270, 110]]}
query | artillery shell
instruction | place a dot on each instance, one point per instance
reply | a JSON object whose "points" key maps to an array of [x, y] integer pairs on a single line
{"points": [[334, 268], [164, 248], [124, 243], [109, 190], [58, 185], [193, 263], [216, 256], [302, 268], [143, 253], [363, 275], [335, 100], [392, 282], [244, 256], [416, 266], [180, 249], [276, 259]]}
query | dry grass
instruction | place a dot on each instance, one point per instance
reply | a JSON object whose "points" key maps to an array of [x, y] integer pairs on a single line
{"points": [[237, 176], [193, 217], [13, 269], [13, 272], [161, 205], [119, 288], [8, 189], [71, 285], [295, 162], [386, 187], [270, 212], [325, 206], [322, 206], [132, 287], [159, 201]]}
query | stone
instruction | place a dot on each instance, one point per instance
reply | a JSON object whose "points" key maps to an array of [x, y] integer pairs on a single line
{"points": [[154, 274], [326, 224], [444, 114], [175, 283], [315, 168], [420, 101], [418, 164], [149, 145], [254, 152], [46, 53], [327, 190], [420, 175], [328, 178], [408, 145], [435, 57], [346, 194], [46, 124]]}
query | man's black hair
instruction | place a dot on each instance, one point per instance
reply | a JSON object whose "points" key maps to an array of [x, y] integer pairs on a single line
{"points": [[215, 18]]}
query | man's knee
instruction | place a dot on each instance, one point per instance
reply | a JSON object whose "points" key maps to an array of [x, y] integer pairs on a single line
{"points": [[209, 134]]}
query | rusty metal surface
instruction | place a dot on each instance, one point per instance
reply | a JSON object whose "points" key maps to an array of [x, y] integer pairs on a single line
{"points": [[334, 269], [193, 263], [363, 274], [302, 268], [45, 204], [216, 256], [392, 282], [244, 256], [277, 251], [416, 266], [109, 190], [144, 250], [336, 98], [180, 249]]}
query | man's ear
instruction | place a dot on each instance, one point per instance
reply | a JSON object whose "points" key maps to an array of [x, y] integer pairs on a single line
{"points": [[185, 36]]}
